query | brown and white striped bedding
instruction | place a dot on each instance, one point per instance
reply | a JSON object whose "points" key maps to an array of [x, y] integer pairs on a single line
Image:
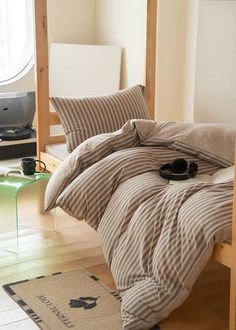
{"points": [[156, 237]]}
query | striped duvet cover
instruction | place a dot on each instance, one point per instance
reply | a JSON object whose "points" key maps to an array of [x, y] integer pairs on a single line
{"points": [[156, 237]]}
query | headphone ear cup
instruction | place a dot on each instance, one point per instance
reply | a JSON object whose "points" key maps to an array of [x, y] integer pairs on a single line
{"points": [[193, 167], [178, 166], [178, 169]]}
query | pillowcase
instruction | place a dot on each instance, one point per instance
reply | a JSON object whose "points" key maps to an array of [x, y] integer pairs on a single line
{"points": [[85, 117], [223, 175], [219, 176]]}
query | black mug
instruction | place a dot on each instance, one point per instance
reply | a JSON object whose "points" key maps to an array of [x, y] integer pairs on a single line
{"points": [[28, 165]]}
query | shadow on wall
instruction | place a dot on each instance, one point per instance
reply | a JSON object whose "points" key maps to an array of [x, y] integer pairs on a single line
{"points": [[123, 77]]}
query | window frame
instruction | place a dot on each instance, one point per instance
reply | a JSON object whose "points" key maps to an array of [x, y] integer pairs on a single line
{"points": [[27, 66]]}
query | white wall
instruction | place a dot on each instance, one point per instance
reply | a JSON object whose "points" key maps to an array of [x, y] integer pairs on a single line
{"points": [[196, 61], [123, 23], [69, 21], [105, 22], [215, 90], [176, 56]]}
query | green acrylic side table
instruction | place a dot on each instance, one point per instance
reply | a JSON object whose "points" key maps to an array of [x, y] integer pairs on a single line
{"points": [[20, 198]]}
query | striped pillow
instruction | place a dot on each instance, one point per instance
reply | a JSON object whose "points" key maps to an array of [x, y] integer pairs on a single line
{"points": [[84, 117]]}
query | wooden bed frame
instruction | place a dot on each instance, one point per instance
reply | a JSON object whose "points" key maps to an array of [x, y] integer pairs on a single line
{"points": [[224, 253], [44, 117]]}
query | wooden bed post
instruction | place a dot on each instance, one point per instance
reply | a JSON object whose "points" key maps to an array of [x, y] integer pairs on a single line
{"points": [[232, 309], [41, 76], [150, 89]]}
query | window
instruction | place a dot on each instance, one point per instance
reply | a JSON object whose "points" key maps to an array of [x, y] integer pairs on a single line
{"points": [[16, 39]]}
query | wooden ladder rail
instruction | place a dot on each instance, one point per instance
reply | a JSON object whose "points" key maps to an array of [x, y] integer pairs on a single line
{"points": [[232, 313], [151, 38], [44, 118], [225, 253]]}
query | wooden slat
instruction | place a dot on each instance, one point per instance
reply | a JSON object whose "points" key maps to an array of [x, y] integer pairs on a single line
{"points": [[41, 75], [232, 320], [223, 253], [54, 119], [150, 88], [56, 139]]}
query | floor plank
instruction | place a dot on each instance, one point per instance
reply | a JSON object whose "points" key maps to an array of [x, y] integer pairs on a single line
{"points": [[27, 324], [13, 315], [6, 304]]}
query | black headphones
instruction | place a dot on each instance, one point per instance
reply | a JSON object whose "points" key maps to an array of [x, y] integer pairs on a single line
{"points": [[179, 170]]}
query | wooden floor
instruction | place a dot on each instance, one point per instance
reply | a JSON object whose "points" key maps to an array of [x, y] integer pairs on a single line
{"points": [[75, 245]]}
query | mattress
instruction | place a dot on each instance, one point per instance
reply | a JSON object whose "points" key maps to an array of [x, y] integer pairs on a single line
{"points": [[58, 150]]}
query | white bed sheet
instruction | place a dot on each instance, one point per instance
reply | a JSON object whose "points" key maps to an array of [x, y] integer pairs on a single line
{"points": [[58, 150]]}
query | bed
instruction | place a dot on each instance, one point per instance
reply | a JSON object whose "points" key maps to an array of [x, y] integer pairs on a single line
{"points": [[224, 253], [156, 237]]}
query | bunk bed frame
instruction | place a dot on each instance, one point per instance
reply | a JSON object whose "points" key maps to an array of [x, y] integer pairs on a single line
{"points": [[224, 253], [46, 118]]}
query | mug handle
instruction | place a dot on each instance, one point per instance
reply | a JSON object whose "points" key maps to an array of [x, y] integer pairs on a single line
{"points": [[44, 169]]}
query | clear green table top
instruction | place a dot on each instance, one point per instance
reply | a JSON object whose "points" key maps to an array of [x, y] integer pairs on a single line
{"points": [[10, 184]]}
